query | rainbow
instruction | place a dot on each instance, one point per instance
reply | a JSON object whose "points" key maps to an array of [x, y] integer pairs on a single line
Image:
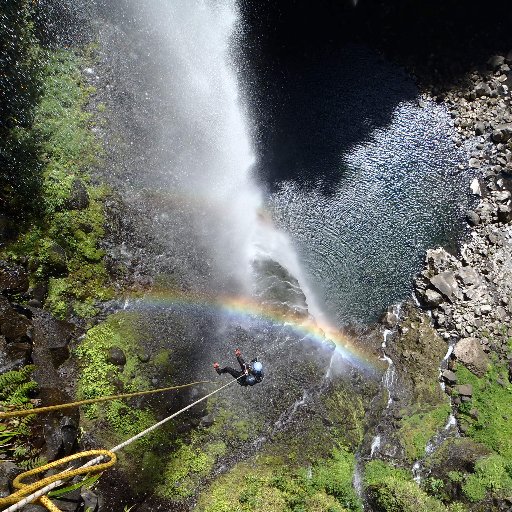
{"points": [[244, 310]]}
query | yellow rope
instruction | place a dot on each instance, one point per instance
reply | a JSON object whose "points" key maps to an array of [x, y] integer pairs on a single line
{"points": [[40, 410], [27, 489], [37, 490]]}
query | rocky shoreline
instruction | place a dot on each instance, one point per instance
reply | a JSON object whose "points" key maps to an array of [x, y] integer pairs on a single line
{"points": [[465, 300]]}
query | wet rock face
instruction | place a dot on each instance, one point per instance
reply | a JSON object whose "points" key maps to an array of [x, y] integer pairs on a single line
{"points": [[13, 278]]}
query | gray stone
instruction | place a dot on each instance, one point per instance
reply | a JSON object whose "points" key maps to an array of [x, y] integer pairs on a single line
{"points": [[482, 89], [468, 275], [501, 195], [91, 500], [446, 283], [479, 128], [8, 471], [432, 298], [474, 163], [473, 218], [504, 213], [470, 352], [116, 356], [207, 421], [464, 390], [449, 377], [502, 133]]}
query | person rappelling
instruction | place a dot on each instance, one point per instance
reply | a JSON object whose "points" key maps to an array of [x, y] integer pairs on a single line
{"points": [[249, 374]]}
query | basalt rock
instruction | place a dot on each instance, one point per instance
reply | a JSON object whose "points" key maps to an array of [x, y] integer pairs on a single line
{"points": [[51, 338], [13, 278], [79, 197], [14, 326], [116, 356], [446, 283], [8, 471]]}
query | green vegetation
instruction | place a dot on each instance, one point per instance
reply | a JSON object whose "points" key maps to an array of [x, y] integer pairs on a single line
{"points": [[272, 483], [416, 430], [117, 420], [492, 398], [62, 244], [15, 433], [492, 475], [393, 490]]}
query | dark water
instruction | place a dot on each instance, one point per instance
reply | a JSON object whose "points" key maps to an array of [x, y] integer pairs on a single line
{"points": [[362, 177]]}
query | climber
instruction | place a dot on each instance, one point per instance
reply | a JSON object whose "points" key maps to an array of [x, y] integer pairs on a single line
{"points": [[249, 374]]}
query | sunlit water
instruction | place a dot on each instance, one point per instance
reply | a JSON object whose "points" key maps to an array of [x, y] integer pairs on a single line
{"points": [[401, 192]]}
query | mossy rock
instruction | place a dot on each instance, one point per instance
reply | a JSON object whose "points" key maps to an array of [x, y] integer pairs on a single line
{"points": [[270, 482]]}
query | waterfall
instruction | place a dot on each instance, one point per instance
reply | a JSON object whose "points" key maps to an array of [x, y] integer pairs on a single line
{"points": [[189, 169]]}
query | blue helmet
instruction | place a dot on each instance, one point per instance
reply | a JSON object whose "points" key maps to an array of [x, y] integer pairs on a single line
{"points": [[257, 367]]}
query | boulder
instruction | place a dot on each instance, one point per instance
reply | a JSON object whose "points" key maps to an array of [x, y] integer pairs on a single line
{"points": [[8, 471], [50, 343], [479, 128], [13, 326], [468, 275], [502, 133], [13, 278], [464, 390], [79, 197], [470, 352], [504, 213], [446, 283], [13, 355], [432, 298], [482, 89], [501, 195], [116, 356], [473, 218], [449, 377]]}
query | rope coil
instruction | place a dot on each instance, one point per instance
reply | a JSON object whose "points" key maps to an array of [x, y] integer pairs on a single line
{"points": [[44, 486]]}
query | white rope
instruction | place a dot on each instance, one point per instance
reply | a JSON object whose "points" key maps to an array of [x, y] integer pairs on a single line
{"points": [[49, 487]]}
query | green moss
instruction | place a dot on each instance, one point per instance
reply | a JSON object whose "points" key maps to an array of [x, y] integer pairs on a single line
{"points": [[186, 466], [99, 377], [416, 430], [345, 409], [493, 401], [393, 490], [271, 483]]}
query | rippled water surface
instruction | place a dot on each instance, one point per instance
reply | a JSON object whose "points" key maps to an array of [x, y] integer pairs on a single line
{"points": [[399, 193]]}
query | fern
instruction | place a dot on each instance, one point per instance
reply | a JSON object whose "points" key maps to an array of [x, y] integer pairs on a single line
{"points": [[20, 395], [10, 380], [20, 451], [31, 463]]}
